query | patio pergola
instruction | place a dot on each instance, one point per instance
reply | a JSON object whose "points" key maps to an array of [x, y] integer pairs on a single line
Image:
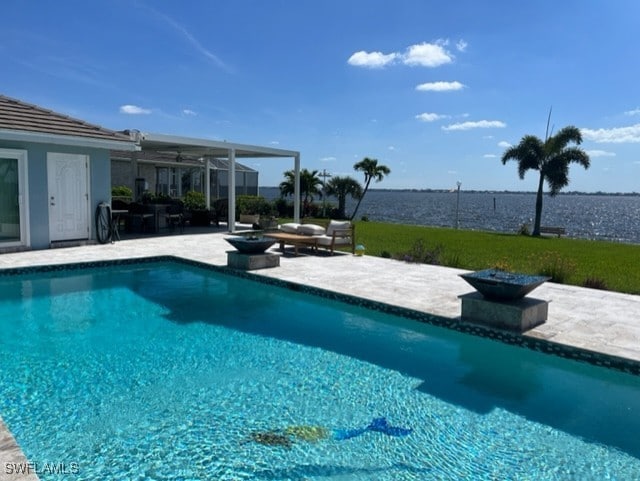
{"points": [[205, 150]]}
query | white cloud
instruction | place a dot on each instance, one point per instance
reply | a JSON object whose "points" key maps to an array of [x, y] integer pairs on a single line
{"points": [[391, 147], [489, 156], [427, 54], [327, 159], [504, 144], [616, 135], [188, 112], [633, 112], [134, 110], [274, 142], [600, 153], [480, 124], [440, 86], [371, 59], [422, 54], [430, 117]]}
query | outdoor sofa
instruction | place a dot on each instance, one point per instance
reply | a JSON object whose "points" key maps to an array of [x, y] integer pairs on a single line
{"points": [[336, 234]]}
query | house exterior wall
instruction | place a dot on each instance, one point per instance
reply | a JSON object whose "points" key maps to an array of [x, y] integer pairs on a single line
{"points": [[99, 185]]}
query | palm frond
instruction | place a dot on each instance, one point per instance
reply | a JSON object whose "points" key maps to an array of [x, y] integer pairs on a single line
{"points": [[576, 155], [529, 154], [564, 137], [556, 173]]}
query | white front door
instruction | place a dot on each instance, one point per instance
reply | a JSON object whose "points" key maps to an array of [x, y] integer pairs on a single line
{"points": [[68, 179]]}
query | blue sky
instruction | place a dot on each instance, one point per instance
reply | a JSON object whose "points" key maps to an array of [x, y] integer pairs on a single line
{"points": [[434, 90]]}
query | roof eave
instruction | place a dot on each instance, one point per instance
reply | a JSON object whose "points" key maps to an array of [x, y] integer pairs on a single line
{"points": [[248, 150], [72, 140]]}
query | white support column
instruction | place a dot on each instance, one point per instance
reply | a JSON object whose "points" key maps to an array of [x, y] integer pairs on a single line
{"points": [[232, 190], [134, 171], [296, 190], [207, 181]]}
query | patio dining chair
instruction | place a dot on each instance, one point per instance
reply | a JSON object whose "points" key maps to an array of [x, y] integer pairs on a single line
{"points": [[140, 216], [174, 216]]}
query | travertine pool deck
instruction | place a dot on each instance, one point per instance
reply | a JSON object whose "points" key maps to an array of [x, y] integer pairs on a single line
{"points": [[599, 321]]}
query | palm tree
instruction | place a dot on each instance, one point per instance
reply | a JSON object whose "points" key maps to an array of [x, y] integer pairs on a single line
{"points": [[287, 186], [551, 158], [371, 171], [341, 187], [310, 185]]}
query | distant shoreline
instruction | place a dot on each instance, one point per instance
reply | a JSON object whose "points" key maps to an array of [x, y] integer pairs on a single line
{"points": [[441, 191]]}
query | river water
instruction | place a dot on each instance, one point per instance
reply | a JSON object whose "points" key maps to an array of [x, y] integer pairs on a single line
{"points": [[598, 217]]}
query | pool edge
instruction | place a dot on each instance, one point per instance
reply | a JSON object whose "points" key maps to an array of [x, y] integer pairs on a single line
{"points": [[13, 459]]}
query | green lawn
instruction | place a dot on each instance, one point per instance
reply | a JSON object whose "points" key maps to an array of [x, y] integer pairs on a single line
{"points": [[613, 266]]}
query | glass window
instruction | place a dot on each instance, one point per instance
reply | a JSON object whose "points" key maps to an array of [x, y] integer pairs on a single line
{"points": [[192, 180], [9, 207], [162, 180], [13, 199]]}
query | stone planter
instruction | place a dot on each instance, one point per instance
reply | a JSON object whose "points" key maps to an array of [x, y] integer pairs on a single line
{"points": [[250, 253], [249, 219], [500, 301]]}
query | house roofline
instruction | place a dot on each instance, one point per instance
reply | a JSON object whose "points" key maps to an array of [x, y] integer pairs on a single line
{"points": [[72, 140]]}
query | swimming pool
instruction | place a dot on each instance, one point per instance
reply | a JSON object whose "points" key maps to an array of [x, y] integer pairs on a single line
{"points": [[169, 371]]}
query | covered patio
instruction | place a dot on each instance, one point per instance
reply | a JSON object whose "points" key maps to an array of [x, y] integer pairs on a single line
{"points": [[208, 156]]}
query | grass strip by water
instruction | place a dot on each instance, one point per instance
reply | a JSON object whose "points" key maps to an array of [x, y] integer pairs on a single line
{"points": [[606, 265]]}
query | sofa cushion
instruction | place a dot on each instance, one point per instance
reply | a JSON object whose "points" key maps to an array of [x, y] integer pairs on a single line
{"points": [[325, 240], [336, 224], [311, 229], [290, 227]]}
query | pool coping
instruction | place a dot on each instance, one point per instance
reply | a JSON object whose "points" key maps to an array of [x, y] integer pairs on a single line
{"points": [[13, 459]]}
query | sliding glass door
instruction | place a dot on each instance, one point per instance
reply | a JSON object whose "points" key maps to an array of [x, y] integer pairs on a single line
{"points": [[13, 212]]}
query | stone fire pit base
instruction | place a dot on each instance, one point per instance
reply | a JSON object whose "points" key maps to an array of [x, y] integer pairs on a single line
{"points": [[249, 262], [519, 315]]}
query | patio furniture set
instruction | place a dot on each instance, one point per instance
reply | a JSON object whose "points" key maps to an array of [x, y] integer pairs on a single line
{"points": [[151, 218], [337, 234], [251, 247]]}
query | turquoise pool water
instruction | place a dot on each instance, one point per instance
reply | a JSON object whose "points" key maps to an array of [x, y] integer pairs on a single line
{"points": [[171, 372]]}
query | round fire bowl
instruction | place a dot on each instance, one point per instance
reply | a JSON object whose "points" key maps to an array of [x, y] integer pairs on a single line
{"points": [[250, 245], [501, 285]]}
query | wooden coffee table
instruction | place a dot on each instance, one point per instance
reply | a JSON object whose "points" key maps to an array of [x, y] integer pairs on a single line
{"points": [[295, 240]]}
